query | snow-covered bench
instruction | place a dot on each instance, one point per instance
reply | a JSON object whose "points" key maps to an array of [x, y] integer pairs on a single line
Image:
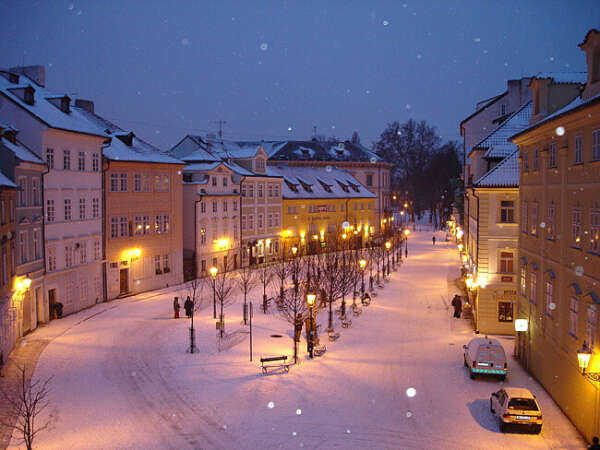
{"points": [[283, 364], [319, 350], [334, 336], [346, 323]]}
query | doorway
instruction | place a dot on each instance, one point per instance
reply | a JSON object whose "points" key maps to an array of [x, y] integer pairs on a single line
{"points": [[26, 312], [124, 281], [39, 302], [52, 303]]}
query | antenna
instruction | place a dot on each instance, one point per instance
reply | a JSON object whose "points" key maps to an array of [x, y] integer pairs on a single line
{"points": [[220, 123], [314, 130]]}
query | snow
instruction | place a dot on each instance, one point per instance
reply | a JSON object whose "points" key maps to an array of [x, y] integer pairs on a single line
{"points": [[564, 77], [5, 181], [497, 141], [505, 173], [122, 378], [21, 152]]}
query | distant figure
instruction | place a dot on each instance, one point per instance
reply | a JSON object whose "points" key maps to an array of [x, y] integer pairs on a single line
{"points": [[595, 444], [457, 304], [176, 307], [433, 240], [188, 306], [406, 251]]}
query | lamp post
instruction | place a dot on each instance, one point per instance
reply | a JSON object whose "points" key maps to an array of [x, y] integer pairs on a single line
{"points": [[388, 245], [213, 274], [310, 300], [363, 265], [584, 354], [406, 233]]}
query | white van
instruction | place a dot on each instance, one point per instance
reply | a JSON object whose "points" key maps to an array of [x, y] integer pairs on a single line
{"points": [[485, 356]]}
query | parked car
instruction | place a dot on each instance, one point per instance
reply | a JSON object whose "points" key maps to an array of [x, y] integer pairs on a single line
{"points": [[517, 407], [485, 356]]}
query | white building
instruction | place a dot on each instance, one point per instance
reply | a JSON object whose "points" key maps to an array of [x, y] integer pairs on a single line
{"points": [[59, 134]]}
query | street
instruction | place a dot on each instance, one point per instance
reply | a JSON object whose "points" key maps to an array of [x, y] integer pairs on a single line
{"points": [[122, 377]]}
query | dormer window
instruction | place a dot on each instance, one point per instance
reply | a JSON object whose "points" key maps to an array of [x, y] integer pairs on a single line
{"points": [[305, 152], [536, 101], [127, 139], [260, 164], [64, 104], [343, 186], [339, 152], [503, 109]]}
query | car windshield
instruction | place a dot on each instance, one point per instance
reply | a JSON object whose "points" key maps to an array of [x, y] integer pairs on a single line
{"points": [[492, 353], [525, 404]]}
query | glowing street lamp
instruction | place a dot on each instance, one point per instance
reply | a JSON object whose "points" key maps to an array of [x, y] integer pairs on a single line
{"points": [[363, 265], [388, 246], [584, 355], [406, 233], [310, 300], [294, 250], [213, 274]]}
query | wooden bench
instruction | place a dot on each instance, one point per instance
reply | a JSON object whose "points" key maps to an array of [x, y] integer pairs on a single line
{"points": [[334, 336], [346, 323], [319, 350], [283, 359]]}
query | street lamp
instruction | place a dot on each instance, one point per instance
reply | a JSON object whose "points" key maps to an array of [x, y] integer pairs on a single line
{"points": [[310, 300], [584, 354], [213, 274], [294, 250], [406, 233], [363, 264], [388, 245]]}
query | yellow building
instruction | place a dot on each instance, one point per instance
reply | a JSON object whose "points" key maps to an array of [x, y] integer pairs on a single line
{"points": [[559, 240], [317, 202]]}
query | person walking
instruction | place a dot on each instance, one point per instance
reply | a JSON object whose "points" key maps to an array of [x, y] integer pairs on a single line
{"points": [[188, 306], [595, 444], [457, 304], [176, 307], [433, 240]]}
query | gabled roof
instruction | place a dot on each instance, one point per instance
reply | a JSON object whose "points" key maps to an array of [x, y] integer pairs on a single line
{"points": [[118, 150], [564, 77], [483, 107], [5, 182], [504, 174], [44, 110], [317, 182], [321, 151], [497, 143], [21, 152]]}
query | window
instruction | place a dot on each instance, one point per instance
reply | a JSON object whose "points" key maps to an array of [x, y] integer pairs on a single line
{"points": [[114, 227], [35, 191], [82, 209], [533, 288], [225, 181], [37, 247], [157, 269], [505, 312], [507, 211], [235, 205], [552, 155], [503, 109], [260, 221], [67, 209], [534, 218], [260, 164], [292, 210], [260, 190], [203, 266], [269, 220], [138, 226], [550, 306], [576, 228], [51, 259], [161, 183], [523, 281], [214, 206], [68, 256], [137, 182], [203, 236], [525, 161], [96, 250], [369, 179], [123, 227], [114, 182], [243, 190], [83, 252], [595, 231], [214, 180], [235, 231], [573, 310], [81, 162], [269, 190], [95, 207], [67, 159], [550, 222], [506, 262], [166, 268], [276, 219], [536, 159], [524, 217], [590, 326], [251, 190], [203, 207], [243, 222], [50, 157], [123, 180], [50, 211], [22, 247], [578, 148], [161, 224], [95, 162], [596, 145], [22, 198], [276, 190], [224, 205]]}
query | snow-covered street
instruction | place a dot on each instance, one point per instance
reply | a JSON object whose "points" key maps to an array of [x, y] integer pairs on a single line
{"points": [[123, 379]]}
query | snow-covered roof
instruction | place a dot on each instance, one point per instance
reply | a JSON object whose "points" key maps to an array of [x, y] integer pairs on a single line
{"points": [[119, 150], [321, 151], [45, 110], [200, 167], [564, 77], [504, 174], [21, 152], [5, 182], [318, 182], [497, 143]]}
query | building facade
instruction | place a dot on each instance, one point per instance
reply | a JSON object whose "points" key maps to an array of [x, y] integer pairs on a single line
{"points": [[559, 240], [57, 133]]}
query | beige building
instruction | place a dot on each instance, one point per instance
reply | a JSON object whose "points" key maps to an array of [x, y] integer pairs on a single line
{"points": [[142, 212], [559, 239]]}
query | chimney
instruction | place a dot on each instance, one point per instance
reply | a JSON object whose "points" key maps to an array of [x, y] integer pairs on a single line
{"points": [[35, 73], [65, 103], [86, 105]]}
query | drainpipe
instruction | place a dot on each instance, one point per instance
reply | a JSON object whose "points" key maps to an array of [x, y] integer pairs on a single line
{"points": [[42, 193], [105, 168], [477, 258], [240, 223], [195, 263]]}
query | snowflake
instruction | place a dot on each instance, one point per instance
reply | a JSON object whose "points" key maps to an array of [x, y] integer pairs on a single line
{"points": [[264, 46]]}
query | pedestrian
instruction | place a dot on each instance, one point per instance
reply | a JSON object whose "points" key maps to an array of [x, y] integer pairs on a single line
{"points": [[595, 444], [176, 307], [433, 240], [188, 306], [457, 304]]}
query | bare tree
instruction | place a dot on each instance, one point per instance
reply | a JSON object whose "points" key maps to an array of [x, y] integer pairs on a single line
{"points": [[194, 291], [25, 404], [331, 283], [223, 285], [246, 280], [265, 276]]}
